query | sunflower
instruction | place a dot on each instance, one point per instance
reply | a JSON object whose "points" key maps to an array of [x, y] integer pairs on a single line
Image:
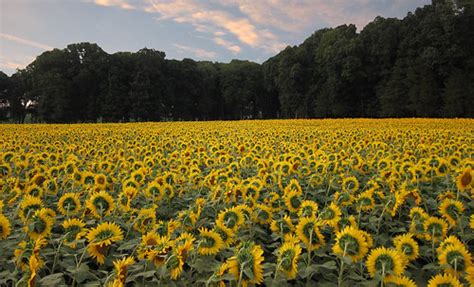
{"points": [[293, 185], [470, 275], [121, 269], [365, 201], [166, 228], [246, 264], [211, 242], [399, 281], [34, 190], [451, 210], [154, 191], [464, 180], [350, 184], [456, 258], [146, 220], [100, 181], [471, 223], [435, 228], [40, 224], [74, 229], [293, 201], [27, 249], [385, 261], [343, 198], [100, 204], [4, 227], [308, 232], [288, 255], [331, 215], [28, 206], [308, 208], [33, 265], [405, 244], [448, 241], [101, 237], [175, 262], [154, 248], [351, 242], [69, 204], [445, 280], [230, 218], [262, 214], [283, 225]]}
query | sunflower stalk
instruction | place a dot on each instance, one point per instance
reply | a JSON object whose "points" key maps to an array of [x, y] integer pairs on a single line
{"points": [[341, 268]]}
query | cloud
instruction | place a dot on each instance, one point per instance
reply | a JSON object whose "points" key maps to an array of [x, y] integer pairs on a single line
{"points": [[12, 64], [117, 3], [228, 45], [24, 41], [207, 18], [200, 53]]}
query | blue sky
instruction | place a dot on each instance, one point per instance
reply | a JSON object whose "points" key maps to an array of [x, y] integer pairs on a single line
{"points": [[216, 30]]}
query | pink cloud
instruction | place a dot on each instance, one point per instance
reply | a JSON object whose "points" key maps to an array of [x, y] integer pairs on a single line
{"points": [[201, 53], [25, 41], [235, 49], [118, 3]]}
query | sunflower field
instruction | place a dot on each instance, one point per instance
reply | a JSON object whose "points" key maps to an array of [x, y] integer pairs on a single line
{"points": [[276, 203]]}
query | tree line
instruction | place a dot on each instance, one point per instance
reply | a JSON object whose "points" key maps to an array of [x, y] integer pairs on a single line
{"points": [[420, 66]]}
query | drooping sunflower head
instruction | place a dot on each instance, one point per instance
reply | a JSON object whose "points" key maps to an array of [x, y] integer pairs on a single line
{"points": [[283, 225], [154, 248], [405, 244], [231, 218], [121, 269], [292, 201], [464, 179], [100, 204], [40, 224], [365, 201], [74, 229], [448, 241], [351, 242], [343, 198], [288, 255], [309, 233], [399, 281], [5, 229], [210, 242], [346, 222], [101, 237], [451, 210], [29, 205], [69, 204], [262, 214], [35, 190], [444, 280], [247, 261], [384, 261], [331, 215], [146, 220], [308, 208], [350, 184], [456, 258], [435, 228]]}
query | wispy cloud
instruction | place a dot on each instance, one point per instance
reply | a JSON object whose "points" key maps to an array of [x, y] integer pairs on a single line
{"points": [[235, 49], [117, 3], [25, 41], [13, 64], [203, 16], [198, 52]]}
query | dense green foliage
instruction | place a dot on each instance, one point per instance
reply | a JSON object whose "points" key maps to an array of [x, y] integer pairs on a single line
{"points": [[421, 66]]}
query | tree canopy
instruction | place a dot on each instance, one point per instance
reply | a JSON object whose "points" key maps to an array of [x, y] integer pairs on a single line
{"points": [[420, 66]]}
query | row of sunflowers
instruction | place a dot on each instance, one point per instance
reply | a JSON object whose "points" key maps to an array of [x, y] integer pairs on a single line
{"points": [[277, 203]]}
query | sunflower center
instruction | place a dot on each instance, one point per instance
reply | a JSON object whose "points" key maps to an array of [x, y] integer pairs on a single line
{"points": [[69, 204], [208, 242], [466, 179], [384, 263], [328, 214], [89, 180], [453, 211], [104, 234], [230, 219], [101, 204], [30, 209], [456, 259], [295, 201], [350, 244], [39, 226], [436, 229], [71, 232], [287, 259], [407, 249]]}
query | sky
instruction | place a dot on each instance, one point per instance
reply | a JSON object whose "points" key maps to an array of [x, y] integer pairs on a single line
{"points": [[215, 30]]}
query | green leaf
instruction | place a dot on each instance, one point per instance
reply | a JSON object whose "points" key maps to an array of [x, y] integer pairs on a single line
{"points": [[52, 280]]}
